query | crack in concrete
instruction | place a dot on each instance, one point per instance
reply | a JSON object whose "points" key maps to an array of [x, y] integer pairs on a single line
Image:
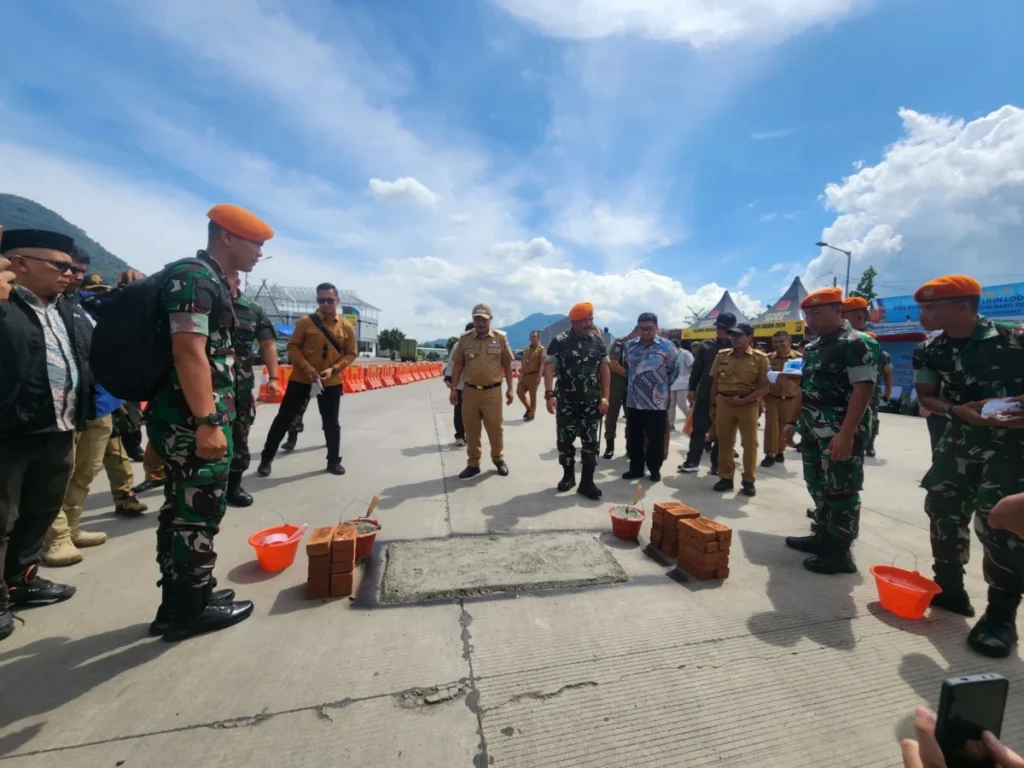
{"points": [[444, 472], [481, 759], [430, 697]]}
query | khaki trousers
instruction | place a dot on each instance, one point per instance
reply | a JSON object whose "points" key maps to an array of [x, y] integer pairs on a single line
{"points": [[119, 469], [88, 452], [152, 464], [528, 385], [728, 419], [777, 413], [482, 409]]}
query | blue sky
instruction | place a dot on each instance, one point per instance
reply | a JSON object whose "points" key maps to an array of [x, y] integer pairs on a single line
{"points": [[641, 154]]}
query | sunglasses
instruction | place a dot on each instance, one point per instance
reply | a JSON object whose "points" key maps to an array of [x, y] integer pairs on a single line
{"points": [[325, 301], [61, 266]]}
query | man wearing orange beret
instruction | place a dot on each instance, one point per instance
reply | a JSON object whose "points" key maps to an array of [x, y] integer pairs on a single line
{"points": [[839, 374], [855, 312], [978, 461]]}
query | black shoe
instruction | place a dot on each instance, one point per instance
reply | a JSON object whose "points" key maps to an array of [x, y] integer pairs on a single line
{"points": [[724, 485], [265, 467], [953, 598], [502, 468], [709, 447], [747, 488], [811, 544], [236, 495], [526, 416], [631, 475], [568, 478], [869, 452], [335, 468], [800, 448], [289, 443], [834, 558], [689, 467], [713, 470], [6, 619], [995, 634], [609, 449], [469, 472], [587, 487], [136, 455], [811, 512], [165, 612], [768, 461], [779, 458], [35, 590], [148, 485], [194, 613], [655, 476]]}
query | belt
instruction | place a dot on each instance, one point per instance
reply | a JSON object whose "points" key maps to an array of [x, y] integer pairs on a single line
{"points": [[733, 394], [782, 397], [488, 386]]}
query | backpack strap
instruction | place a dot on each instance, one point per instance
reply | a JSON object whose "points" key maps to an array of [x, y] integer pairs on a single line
{"points": [[327, 334]]}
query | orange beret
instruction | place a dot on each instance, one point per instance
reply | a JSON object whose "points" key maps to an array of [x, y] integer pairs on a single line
{"points": [[241, 222], [822, 297], [854, 303], [948, 287], [581, 311]]}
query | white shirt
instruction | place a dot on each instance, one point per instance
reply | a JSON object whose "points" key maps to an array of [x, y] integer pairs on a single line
{"points": [[685, 364]]}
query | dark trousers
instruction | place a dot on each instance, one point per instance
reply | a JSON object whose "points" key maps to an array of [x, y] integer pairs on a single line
{"points": [[132, 441], [698, 435], [34, 473], [616, 402], [937, 424], [460, 429], [295, 398], [650, 426]]}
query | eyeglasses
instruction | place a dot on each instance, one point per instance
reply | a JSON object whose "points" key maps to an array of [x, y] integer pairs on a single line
{"points": [[325, 301], [77, 270], [61, 266]]}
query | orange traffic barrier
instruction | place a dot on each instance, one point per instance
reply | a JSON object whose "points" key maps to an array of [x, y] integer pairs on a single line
{"points": [[284, 373], [389, 375]]}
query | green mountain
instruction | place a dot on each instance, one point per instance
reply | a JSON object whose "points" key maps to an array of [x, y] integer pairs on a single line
{"points": [[519, 333], [22, 213]]}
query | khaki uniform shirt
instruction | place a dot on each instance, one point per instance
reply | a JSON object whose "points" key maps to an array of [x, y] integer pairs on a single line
{"points": [[533, 359], [784, 386], [308, 345], [483, 358], [739, 373]]}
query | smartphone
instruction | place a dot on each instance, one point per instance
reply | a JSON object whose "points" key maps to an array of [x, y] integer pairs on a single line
{"points": [[968, 706]]}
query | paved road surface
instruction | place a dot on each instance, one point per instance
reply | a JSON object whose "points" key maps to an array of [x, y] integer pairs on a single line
{"points": [[775, 667]]}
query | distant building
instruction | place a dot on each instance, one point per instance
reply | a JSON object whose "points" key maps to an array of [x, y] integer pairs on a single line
{"points": [[285, 306]]}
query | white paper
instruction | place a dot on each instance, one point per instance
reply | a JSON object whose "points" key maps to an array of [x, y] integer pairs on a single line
{"points": [[773, 376], [1002, 405], [317, 388]]}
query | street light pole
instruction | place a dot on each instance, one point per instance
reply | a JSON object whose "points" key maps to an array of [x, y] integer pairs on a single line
{"points": [[849, 255]]}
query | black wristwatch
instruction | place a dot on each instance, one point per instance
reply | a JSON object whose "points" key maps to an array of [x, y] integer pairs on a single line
{"points": [[212, 420]]}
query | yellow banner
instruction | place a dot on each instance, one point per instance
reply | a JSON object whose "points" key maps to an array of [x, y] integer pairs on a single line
{"points": [[354, 319], [700, 333], [794, 327]]}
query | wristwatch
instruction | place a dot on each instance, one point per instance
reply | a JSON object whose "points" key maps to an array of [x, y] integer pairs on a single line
{"points": [[212, 420]]}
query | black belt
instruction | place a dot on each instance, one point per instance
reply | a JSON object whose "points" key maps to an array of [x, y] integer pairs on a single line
{"points": [[733, 394], [782, 397], [481, 389]]}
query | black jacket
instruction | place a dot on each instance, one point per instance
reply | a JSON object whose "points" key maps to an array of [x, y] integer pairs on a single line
{"points": [[26, 403], [700, 374]]}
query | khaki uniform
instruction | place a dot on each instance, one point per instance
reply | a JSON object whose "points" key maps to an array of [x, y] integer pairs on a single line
{"points": [[119, 469], [152, 464], [737, 375], [778, 403], [529, 378], [483, 360], [89, 449]]}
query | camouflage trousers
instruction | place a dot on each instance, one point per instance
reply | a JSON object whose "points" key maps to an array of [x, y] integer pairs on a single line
{"points": [[194, 504], [296, 425], [875, 424], [967, 479], [574, 419], [244, 418], [835, 487]]}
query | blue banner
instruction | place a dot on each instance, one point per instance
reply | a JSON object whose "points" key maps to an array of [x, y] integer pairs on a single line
{"points": [[996, 301], [902, 353]]}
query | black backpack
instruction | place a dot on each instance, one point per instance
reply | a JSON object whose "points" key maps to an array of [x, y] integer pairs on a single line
{"points": [[130, 357]]}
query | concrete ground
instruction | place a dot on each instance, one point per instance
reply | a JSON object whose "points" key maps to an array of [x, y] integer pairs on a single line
{"points": [[773, 667]]}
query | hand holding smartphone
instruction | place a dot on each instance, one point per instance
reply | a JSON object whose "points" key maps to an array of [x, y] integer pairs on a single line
{"points": [[969, 706]]}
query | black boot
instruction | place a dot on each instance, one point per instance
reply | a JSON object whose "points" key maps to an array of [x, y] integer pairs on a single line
{"points": [[953, 598], [265, 467], [236, 494], [587, 487], [810, 544], [834, 558], [335, 468], [289, 443], [995, 634], [193, 612], [165, 612], [609, 447], [6, 617], [568, 477]]}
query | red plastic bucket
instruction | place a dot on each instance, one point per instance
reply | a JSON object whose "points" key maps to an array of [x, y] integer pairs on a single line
{"points": [[364, 542], [627, 528], [905, 593], [275, 557]]}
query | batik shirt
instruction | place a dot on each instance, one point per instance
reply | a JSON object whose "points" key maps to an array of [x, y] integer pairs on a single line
{"points": [[650, 371], [61, 367]]}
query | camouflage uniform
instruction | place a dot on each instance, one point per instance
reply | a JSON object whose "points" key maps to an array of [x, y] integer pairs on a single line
{"points": [[195, 299], [884, 366], [253, 327], [577, 363], [832, 364], [974, 467]]}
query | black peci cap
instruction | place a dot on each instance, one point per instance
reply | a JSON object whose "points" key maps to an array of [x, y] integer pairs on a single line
{"points": [[36, 238], [725, 320]]}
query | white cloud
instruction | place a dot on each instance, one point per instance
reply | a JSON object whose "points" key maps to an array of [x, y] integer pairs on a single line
{"points": [[613, 229], [405, 189], [696, 22], [520, 250], [946, 197], [766, 217], [765, 135], [747, 278]]}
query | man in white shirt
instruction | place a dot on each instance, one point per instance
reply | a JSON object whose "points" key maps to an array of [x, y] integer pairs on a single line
{"points": [[677, 392]]}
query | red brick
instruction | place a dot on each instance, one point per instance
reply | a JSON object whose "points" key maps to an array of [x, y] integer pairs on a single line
{"points": [[669, 542], [320, 567], [317, 590], [319, 542], [682, 512], [696, 529], [656, 537], [341, 584], [722, 573], [661, 506], [722, 532]]}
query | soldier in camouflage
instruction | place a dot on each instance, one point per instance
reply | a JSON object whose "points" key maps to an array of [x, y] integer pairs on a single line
{"points": [[616, 392], [978, 460], [833, 419], [189, 424], [579, 359], [254, 330], [855, 312]]}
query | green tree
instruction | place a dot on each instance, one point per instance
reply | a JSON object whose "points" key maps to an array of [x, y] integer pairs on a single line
{"points": [[433, 356], [450, 344], [390, 339], [866, 285], [696, 316]]}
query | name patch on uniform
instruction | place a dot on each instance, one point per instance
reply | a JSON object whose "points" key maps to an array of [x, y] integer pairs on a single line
{"points": [[494, 345]]}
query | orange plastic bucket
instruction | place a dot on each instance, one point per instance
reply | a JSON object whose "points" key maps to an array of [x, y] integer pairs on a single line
{"points": [[905, 593], [364, 541], [627, 528], [275, 557]]}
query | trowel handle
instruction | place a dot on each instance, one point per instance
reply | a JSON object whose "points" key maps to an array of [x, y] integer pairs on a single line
{"points": [[373, 506], [637, 494]]}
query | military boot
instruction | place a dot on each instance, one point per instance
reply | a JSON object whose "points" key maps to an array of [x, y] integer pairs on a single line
{"points": [[236, 495], [194, 613], [833, 558], [6, 616], [165, 612], [953, 598], [995, 634], [568, 477], [129, 506], [60, 552], [609, 448], [587, 487], [289, 443], [811, 544]]}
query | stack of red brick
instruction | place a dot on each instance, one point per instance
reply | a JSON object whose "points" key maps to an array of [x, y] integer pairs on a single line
{"points": [[700, 546], [332, 562]]}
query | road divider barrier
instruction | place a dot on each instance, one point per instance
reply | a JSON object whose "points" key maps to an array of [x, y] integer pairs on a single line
{"points": [[361, 378]]}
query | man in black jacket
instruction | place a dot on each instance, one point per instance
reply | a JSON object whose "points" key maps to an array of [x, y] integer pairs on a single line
{"points": [[45, 396], [699, 395]]}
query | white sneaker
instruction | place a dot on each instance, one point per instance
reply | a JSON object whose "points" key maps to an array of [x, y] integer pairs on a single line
{"points": [[460, 443]]}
